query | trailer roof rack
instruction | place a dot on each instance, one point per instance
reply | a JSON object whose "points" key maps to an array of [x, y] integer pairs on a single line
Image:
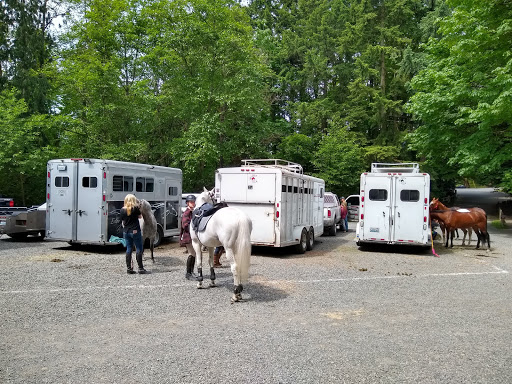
{"points": [[273, 163], [395, 167]]}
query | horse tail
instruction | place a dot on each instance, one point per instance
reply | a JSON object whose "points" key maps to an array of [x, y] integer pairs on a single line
{"points": [[243, 248]]}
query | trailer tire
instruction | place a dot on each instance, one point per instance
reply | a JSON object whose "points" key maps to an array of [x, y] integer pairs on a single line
{"points": [[303, 243], [159, 236], [311, 239]]}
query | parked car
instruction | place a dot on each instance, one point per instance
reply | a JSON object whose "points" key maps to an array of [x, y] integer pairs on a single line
{"points": [[6, 201], [353, 207], [332, 213]]}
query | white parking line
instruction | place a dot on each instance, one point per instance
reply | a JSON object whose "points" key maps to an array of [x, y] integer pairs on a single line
{"points": [[498, 271]]}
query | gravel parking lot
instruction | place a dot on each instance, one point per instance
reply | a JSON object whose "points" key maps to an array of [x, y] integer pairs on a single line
{"points": [[335, 314]]}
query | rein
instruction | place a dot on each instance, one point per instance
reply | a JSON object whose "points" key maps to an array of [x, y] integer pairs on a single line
{"points": [[432, 237]]}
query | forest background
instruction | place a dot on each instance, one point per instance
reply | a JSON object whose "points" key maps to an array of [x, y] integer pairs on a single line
{"points": [[201, 84]]}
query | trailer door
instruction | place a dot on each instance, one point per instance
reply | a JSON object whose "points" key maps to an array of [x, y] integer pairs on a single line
{"points": [[89, 209], [377, 212], [61, 205], [410, 209]]}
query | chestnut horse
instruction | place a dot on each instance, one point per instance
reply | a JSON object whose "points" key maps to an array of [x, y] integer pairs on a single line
{"points": [[437, 205], [474, 218]]}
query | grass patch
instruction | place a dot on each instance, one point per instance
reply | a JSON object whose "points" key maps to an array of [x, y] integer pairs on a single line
{"points": [[498, 224]]}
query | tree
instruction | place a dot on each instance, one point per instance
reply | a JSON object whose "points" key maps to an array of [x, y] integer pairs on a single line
{"points": [[462, 98], [22, 157]]}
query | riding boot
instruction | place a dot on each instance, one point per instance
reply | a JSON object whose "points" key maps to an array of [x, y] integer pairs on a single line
{"points": [[138, 255], [216, 259], [191, 261], [129, 268]]}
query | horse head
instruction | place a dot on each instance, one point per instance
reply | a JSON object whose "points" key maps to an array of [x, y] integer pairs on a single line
{"points": [[204, 197], [434, 204]]}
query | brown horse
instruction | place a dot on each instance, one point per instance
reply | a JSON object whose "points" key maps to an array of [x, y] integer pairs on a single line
{"points": [[453, 219], [437, 205]]}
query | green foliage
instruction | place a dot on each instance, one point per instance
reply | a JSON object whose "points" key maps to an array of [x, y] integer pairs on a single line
{"points": [[22, 156], [203, 84], [297, 148], [340, 160], [463, 97]]}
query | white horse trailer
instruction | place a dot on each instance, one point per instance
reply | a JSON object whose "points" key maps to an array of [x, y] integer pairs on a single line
{"points": [[394, 205], [285, 206], [85, 196]]}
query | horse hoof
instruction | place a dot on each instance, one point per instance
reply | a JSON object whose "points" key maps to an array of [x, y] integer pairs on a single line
{"points": [[199, 285], [212, 284]]}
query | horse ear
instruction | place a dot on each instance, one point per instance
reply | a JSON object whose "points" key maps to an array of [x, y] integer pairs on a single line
{"points": [[204, 189]]}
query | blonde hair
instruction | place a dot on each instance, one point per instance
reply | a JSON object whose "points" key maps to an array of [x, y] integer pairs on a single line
{"points": [[130, 201]]}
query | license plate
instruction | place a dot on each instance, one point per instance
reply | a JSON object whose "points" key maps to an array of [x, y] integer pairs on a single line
{"points": [[374, 229]]}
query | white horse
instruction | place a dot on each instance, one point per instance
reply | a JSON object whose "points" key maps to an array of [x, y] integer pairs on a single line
{"points": [[231, 228]]}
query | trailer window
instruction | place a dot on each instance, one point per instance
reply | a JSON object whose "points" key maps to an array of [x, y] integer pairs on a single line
{"points": [[143, 184], [89, 182], [173, 191], [409, 195], [122, 183], [62, 181], [378, 194]]}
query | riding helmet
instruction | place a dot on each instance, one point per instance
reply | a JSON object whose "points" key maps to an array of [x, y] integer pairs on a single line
{"points": [[190, 198]]}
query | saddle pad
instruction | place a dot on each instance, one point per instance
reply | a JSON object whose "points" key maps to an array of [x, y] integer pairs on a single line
{"points": [[462, 210], [202, 223]]}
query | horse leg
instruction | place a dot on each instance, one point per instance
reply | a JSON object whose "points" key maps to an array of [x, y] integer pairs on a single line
{"points": [[464, 238], [151, 246], [199, 262], [478, 235], [212, 270], [235, 270], [470, 231], [452, 232], [488, 241], [448, 232]]}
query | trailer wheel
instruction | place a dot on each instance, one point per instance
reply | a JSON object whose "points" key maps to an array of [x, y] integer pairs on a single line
{"points": [[303, 244], [159, 236], [311, 239]]}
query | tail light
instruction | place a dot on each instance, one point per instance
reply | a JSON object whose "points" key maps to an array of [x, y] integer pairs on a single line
{"points": [[277, 214], [11, 203], [328, 213], [424, 219], [362, 216], [362, 199]]}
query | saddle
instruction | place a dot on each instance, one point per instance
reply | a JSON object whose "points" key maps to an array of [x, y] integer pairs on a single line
{"points": [[202, 215]]}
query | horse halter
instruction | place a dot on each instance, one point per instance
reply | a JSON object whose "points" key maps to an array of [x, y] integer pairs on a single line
{"points": [[212, 196]]}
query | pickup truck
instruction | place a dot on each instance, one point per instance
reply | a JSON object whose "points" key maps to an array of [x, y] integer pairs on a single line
{"points": [[332, 213], [19, 222]]}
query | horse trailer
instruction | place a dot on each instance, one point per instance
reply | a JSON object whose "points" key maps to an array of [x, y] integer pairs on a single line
{"points": [[285, 206], [394, 206], [85, 196]]}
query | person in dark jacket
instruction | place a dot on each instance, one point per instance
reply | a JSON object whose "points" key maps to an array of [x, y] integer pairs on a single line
{"points": [[185, 239], [130, 215]]}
